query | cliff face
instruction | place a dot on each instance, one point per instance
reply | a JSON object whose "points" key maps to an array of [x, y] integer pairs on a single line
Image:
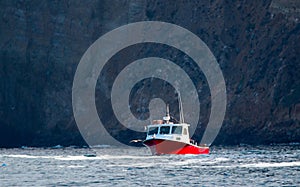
{"points": [[256, 43]]}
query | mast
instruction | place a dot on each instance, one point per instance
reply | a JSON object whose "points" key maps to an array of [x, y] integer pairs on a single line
{"points": [[167, 111], [167, 117], [181, 117]]}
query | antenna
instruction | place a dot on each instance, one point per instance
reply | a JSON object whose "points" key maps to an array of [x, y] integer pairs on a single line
{"points": [[181, 118], [167, 117], [167, 110]]}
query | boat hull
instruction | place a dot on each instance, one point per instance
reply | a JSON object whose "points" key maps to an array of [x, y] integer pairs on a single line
{"points": [[160, 146]]}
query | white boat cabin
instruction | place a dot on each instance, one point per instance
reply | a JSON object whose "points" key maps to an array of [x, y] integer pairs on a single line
{"points": [[168, 131]]}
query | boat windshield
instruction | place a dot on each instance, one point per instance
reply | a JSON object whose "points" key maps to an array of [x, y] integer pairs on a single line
{"points": [[153, 130], [176, 129], [164, 130]]}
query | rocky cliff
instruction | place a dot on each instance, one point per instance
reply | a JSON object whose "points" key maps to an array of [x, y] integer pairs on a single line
{"points": [[256, 43]]}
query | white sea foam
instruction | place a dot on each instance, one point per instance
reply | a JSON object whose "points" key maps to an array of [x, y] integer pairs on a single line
{"points": [[28, 156], [80, 157], [222, 159], [77, 158], [261, 165], [135, 165], [56, 157], [181, 162], [71, 166], [267, 165]]}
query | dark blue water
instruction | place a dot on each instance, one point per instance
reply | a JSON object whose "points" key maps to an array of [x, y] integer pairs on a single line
{"points": [[277, 165]]}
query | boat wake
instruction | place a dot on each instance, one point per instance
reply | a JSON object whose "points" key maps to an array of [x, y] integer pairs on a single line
{"points": [[79, 157]]}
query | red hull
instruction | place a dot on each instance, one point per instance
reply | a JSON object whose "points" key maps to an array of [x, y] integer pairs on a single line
{"points": [[159, 146]]}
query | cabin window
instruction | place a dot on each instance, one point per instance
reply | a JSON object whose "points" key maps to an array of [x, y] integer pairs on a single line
{"points": [[176, 130], [153, 130], [164, 130], [184, 131]]}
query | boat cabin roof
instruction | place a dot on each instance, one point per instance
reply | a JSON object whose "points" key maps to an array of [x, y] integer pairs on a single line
{"points": [[169, 124], [167, 128], [170, 131]]}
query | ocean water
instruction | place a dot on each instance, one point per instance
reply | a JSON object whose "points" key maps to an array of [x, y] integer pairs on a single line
{"points": [[277, 165]]}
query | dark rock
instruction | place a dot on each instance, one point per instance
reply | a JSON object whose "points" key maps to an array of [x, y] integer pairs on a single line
{"points": [[255, 42]]}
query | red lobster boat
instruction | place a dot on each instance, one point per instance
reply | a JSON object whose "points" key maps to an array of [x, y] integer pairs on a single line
{"points": [[166, 137]]}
